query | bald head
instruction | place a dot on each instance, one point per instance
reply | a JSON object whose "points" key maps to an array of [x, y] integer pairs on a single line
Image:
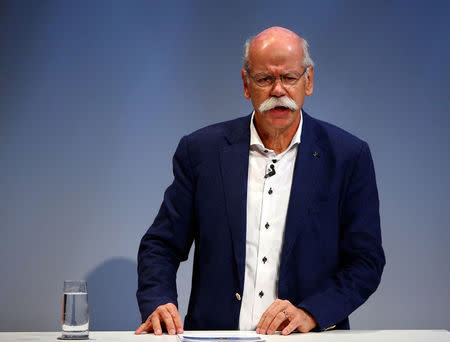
{"points": [[275, 37], [274, 40]]}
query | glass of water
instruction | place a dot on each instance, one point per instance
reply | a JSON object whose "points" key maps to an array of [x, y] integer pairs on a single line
{"points": [[75, 324]]}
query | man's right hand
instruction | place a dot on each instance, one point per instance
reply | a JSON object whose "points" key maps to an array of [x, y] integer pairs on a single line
{"points": [[165, 315]]}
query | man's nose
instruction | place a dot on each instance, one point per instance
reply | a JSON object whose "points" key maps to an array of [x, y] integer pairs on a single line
{"points": [[278, 88]]}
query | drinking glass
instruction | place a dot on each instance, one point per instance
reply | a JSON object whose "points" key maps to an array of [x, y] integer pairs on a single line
{"points": [[75, 320]]}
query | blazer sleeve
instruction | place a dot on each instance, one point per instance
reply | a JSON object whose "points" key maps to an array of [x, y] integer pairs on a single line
{"points": [[168, 240], [361, 256]]}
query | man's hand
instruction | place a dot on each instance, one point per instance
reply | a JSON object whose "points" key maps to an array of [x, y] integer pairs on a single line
{"points": [[282, 315], [166, 314]]}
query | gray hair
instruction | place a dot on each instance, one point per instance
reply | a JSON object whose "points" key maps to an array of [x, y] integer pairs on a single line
{"points": [[306, 63]]}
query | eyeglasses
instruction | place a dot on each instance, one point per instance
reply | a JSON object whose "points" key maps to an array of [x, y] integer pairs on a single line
{"points": [[266, 80]]}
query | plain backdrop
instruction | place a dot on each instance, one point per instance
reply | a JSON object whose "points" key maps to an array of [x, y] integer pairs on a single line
{"points": [[95, 95]]}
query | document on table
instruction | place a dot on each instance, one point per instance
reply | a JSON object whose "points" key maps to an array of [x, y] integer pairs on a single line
{"points": [[209, 336]]}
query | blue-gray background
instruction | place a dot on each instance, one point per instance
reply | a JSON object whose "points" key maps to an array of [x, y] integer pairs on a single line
{"points": [[95, 96]]}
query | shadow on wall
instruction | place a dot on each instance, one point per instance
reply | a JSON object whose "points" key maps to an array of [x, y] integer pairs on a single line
{"points": [[112, 296]]}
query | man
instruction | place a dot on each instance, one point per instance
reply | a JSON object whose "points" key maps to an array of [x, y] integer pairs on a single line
{"points": [[283, 210]]}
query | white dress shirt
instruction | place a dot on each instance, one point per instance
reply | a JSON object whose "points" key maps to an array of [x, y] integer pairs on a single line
{"points": [[267, 204]]}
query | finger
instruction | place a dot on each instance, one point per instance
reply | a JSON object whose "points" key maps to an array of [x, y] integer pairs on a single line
{"points": [[176, 318], [266, 319], [290, 327], [279, 318], [140, 329], [263, 323], [262, 319], [168, 320], [156, 324], [268, 316], [146, 326], [283, 325]]}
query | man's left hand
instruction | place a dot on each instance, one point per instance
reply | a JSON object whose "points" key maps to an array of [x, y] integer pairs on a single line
{"points": [[282, 315]]}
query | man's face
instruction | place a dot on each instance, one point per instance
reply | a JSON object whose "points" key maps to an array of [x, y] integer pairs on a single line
{"points": [[277, 57]]}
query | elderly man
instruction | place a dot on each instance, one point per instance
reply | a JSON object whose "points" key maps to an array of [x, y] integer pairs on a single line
{"points": [[283, 210]]}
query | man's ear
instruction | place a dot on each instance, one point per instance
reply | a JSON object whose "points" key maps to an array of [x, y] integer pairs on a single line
{"points": [[245, 83], [309, 86]]}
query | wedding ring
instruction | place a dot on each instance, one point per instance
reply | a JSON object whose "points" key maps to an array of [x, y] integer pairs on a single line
{"points": [[285, 313]]}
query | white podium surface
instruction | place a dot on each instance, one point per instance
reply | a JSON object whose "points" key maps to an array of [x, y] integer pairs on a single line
{"points": [[336, 336]]}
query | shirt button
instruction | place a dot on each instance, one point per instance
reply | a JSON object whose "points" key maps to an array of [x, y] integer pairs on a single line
{"points": [[261, 294], [274, 161], [270, 191], [267, 225], [265, 151], [264, 260], [238, 296]]}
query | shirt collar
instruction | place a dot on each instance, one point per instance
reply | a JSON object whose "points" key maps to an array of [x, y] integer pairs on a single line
{"points": [[255, 140]]}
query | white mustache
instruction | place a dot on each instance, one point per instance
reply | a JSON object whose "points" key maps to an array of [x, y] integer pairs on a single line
{"points": [[273, 102]]}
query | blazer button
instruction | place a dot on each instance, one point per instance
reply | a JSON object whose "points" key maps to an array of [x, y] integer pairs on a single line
{"points": [[238, 296]]}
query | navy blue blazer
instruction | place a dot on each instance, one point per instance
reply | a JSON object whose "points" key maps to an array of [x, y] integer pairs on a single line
{"points": [[331, 260]]}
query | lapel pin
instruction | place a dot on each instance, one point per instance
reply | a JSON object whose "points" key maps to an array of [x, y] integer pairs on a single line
{"points": [[315, 154]]}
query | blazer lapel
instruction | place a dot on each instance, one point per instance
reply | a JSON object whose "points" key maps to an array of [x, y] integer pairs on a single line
{"points": [[234, 167], [307, 165]]}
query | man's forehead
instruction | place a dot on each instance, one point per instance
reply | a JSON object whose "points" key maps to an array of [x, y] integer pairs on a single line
{"points": [[276, 46]]}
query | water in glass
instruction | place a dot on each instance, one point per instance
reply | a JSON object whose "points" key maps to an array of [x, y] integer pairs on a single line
{"points": [[75, 314]]}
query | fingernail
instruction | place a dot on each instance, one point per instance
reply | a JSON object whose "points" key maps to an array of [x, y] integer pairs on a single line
{"points": [[257, 330], [269, 332], [158, 332], [263, 331], [284, 332], [172, 331], [180, 331]]}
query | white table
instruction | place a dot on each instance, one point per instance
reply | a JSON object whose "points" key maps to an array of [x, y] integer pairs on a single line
{"points": [[335, 336]]}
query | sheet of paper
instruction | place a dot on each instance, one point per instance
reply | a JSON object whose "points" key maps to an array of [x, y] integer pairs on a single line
{"points": [[210, 336]]}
